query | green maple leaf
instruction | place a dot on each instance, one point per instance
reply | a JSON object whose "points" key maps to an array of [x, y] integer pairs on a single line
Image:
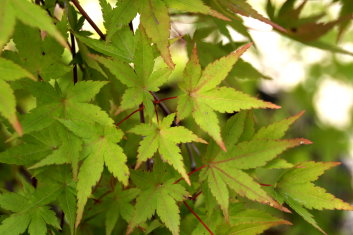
{"points": [[29, 14], [119, 205], [100, 149], [277, 130], [226, 170], [298, 191], [44, 57], [202, 97], [9, 71], [30, 211], [69, 103], [53, 145], [250, 222], [59, 177], [162, 137], [158, 194], [141, 80]]}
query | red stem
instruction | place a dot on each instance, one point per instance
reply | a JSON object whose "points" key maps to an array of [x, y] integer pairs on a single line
{"points": [[195, 196], [268, 185], [190, 173], [161, 100], [128, 116], [198, 218], [156, 112]]}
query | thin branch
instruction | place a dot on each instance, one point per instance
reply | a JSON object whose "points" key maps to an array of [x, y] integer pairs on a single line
{"points": [[191, 156], [142, 115], [198, 218], [90, 21], [195, 196], [28, 176], [149, 162], [62, 221], [73, 52]]}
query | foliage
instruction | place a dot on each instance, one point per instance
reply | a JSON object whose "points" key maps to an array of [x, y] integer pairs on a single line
{"points": [[67, 110]]}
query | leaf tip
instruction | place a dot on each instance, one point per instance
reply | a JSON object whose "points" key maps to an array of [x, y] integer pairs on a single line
{"points": [[219, 15], [242, 49], [304, 141], [200, 140], [222, 145], [273, 106]]}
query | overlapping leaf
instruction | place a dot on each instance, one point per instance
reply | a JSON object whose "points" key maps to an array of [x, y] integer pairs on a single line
{"points": [[29, 210], [164, 138], [44, 57], [155, 19], [202, 96], [307, 30], [59, 177], [119, 205], [298, 191], [53, 145], [69, 103], [29, 14]]}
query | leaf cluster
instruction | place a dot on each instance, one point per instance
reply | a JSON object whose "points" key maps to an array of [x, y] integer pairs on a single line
{"points": [[83, 160]]}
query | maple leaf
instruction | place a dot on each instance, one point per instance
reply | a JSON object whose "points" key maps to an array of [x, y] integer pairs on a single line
{"points": [[227, 170], [29, 210], [59, 177], [202, 96], [44, 57], [277, 130], [250, 221], [142, 79], [298, 191], [158, 194], [162, 137], [100, 149], [69, 103], [52, 145], [119, 205]]}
